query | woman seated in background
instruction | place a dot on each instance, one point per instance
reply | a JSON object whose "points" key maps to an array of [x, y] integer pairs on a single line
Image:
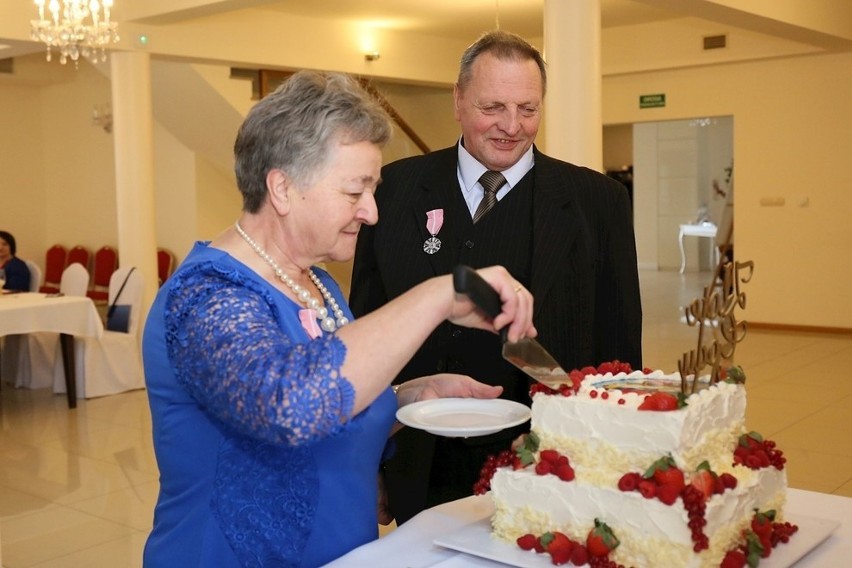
{"points": [[271, 409], [13, 271]]}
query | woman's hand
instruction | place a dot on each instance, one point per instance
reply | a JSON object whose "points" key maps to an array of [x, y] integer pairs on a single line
{"points": [[516, 301], [444, 385]]}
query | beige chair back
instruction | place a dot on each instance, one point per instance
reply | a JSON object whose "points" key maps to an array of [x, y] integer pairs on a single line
{"points": [[75, 280], [35, 275]]}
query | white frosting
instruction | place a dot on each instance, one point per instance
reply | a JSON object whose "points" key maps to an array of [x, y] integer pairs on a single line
{"points": [[604, 427], [529, 503], [603, 440]]}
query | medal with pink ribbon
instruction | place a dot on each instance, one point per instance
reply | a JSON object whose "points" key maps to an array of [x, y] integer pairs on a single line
{"points": [[434, 222]]}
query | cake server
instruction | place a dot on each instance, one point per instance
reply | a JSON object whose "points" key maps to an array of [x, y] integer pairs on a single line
{"points": [[528, 355]]}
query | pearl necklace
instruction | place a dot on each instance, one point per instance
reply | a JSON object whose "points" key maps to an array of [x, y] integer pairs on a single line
{"points": [[327, 323]]}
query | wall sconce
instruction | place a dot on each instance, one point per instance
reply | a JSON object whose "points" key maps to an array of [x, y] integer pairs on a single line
{"points": [[372, 56], [102, 116]]}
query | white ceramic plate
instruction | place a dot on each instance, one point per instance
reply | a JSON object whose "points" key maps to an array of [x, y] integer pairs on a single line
{"points": [[463, 417], [475, 539]]}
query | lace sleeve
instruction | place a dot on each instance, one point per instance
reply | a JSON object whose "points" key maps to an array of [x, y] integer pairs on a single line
{"points": [[232, 353]]}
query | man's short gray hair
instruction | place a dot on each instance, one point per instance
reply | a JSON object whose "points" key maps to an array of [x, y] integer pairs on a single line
{"points": [[504, 46]]}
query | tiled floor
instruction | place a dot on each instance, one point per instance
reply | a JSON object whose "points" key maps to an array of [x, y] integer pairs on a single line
{"points": [[77, 487]]}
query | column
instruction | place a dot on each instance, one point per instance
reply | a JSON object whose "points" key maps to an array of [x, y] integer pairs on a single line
{"points": [[130, 78], [572, 49]]}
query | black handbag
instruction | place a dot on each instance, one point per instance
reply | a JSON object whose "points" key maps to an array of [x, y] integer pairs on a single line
{"points": [[118, 315]]}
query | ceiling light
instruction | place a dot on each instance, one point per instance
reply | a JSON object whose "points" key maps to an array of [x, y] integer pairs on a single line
{"points": [[75, 27]]}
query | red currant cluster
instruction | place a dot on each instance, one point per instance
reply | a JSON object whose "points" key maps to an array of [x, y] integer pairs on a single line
{"points": [[503, 459], [781, 532], [693, 502]]}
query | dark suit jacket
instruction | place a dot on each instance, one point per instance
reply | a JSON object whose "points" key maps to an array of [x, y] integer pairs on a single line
{"points": [[584, 273]]}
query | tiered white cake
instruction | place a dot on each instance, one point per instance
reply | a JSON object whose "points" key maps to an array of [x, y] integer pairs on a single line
{"points": [[615, 442]]}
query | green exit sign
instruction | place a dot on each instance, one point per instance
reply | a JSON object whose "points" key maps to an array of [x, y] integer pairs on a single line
{"points": [[651, 101]]}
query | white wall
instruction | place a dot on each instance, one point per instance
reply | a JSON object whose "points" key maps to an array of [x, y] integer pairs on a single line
{"points": [[218, 202], [176, 194], [56, 168], [429, 112], [57, 171], [22, 187], [791, 141]]}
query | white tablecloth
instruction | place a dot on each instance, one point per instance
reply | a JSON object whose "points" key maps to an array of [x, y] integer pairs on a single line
{"points": [[410, 545], [33, 312], [70, 316]]}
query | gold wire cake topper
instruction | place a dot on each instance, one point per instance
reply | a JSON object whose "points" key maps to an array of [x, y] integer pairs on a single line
{"points": [[714, 314]]}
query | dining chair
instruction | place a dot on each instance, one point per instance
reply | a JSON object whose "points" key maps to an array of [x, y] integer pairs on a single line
{"points": [[78, 254], [15, 363], [35, 275], [103, 267], [75, 280], [165, 264], [112, 363], [40, 352], [54, 264]]}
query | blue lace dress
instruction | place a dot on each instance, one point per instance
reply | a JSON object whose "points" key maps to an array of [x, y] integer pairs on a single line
{"points": [[259, 465]]}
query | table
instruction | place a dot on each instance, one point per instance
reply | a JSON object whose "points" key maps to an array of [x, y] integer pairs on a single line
{"points": [[410, 545], [69, 316], [702, 230]]}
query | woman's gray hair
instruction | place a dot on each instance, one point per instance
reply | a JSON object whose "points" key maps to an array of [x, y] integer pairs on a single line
{"points": [[504, 46], [293, 129]]}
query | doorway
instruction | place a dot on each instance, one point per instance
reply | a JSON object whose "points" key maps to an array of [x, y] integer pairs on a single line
{"points": [[681, 172]]}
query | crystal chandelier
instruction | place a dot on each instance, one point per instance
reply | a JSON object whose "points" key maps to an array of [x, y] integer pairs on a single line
{"points": [[78, 27]]}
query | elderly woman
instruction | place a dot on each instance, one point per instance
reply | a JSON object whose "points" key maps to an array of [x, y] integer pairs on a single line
{"points": [[271, 409], [14, 274]]}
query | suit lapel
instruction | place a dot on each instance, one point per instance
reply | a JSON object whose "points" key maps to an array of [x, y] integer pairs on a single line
{"points": [[555, 226]]}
